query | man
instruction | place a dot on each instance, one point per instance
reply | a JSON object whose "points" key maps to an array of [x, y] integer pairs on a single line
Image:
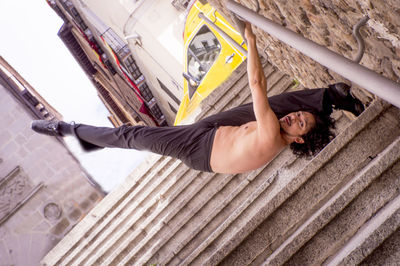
{"points": [[235, 141]]}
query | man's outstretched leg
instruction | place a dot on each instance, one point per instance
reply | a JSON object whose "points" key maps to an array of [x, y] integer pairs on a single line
{"points": [[191, 144]]}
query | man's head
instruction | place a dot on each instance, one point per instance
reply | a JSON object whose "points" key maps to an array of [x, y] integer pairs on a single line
{"points": [[295, 125], [307, 133]]}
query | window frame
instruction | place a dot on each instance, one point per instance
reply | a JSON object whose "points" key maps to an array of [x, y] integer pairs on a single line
{"points": [[206, 48]]}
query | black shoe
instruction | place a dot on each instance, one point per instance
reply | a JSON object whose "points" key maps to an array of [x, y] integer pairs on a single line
{"points": [[46, 127], [342, 99]]}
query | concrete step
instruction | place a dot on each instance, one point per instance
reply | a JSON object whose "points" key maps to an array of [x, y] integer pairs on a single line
{"points": [[349, 195], [372, 234], [334, 235], [388, 253], [285, 229], [140, 216], [205, 231]]}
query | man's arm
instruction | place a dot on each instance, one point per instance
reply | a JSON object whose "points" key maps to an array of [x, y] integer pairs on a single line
{"points": [[266, 119]]}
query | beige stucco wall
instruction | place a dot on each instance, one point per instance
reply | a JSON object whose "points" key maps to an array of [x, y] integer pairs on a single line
{"points": [[160, 27], [27, 235]]}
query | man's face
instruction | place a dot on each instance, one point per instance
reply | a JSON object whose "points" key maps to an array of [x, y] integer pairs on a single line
{"points": [[297, 124]]}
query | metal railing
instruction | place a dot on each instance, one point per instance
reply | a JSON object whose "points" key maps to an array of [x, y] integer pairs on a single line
{"points": [[116, 43], [383, 87]]}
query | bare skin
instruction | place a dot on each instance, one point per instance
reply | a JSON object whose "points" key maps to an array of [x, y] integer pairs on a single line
{"points": [[237, 149]]}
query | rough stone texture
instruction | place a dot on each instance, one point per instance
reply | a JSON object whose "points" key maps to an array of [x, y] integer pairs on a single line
{"points": [[27, 235], [348, 221], [59, 229], [379, 227], [386, 254], [330, 23], [75, 215]]}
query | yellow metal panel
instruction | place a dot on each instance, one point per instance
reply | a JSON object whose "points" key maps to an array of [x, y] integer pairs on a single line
{"points": [[220, 70]]}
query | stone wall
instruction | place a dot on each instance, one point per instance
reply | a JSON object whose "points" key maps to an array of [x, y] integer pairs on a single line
{"points": [[44, 192], [330, 23]]}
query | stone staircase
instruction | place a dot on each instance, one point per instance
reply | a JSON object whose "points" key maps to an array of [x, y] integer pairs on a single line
{"points": [[341, 207]]}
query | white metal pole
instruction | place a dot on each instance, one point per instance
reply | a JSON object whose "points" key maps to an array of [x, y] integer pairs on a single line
{"points": [[221, 32]]}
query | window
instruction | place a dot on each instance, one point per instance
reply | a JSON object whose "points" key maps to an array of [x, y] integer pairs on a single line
{"points": [[15, 189], [78, 19], [30, 98], [110, 67], [170, 94], [172, 108], [202, 53], [156, 111], [116, 43], [181, 5], [132, 67], [69, 7], [146, 92]]}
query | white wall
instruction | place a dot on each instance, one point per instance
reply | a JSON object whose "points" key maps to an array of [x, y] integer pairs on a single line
{"points": [[160, 27]]}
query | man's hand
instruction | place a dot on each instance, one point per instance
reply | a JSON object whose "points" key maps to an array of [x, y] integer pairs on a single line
{"points": [[248, 32]]}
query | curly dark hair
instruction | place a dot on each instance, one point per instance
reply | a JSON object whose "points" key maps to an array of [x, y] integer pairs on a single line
{"points": [[316, 139]]}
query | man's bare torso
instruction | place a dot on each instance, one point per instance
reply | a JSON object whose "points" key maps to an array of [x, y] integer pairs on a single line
{"points": [[250, 146], [238, 149]]}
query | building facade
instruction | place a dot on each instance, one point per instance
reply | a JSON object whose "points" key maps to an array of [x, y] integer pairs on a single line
{"points": [[110, 66], [44, 191], [153, 31]]}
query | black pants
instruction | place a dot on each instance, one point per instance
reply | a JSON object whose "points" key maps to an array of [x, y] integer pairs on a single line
{"points": [[193, 143]]}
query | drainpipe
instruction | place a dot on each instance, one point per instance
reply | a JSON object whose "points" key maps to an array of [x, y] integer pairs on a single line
{"points": [[364, 77], [223, 34]]}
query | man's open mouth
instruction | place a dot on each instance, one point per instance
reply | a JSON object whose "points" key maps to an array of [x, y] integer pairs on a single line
{"points": [[287, 120]]}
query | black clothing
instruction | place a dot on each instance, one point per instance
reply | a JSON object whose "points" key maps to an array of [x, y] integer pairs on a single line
{"points": [[193, 143]]}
